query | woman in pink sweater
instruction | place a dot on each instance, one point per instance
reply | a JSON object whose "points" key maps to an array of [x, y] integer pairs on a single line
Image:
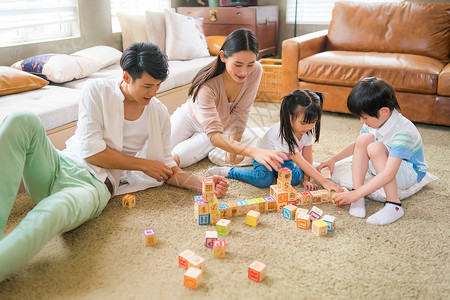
{"points": [[216, 115]]}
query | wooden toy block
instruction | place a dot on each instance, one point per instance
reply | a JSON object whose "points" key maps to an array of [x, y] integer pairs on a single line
{"points": [[225, 211], [233, 208], [208, 196], [326, 196], [196, 262], [273, 188], [306, 197], [303, 221], [271, 203], [289, 211], [242, 207], [293, 202], [280, 196], [214, 218], [315, 213], [292, 194], [319, 227], [223, 227], [208, 185], [219, 248], [149, 236], [213, 206], [256, 271], [285, 174], [252, 218], [128, 200], [283, 185], [201, 208], [192, 278], [316, 197], [326, 173], [333, 195], [203, 219], [198, 197], [279, 206], [183, 258], [330, 222], [262, 204], [210, 237], [301, 211], [252, 204]]}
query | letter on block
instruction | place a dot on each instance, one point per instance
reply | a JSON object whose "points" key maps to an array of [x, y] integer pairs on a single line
{"points": [[203, 219], [289, 211], [252, 218], [280, 196], [183, 258], [283, 185], [149, 236], [271, 203], [330, 222], [213, 206], [256, 271], [210, 237], [280, 206], [201, 208], [219, 248], [303, 221], [128, 200], [262, 204], [315, 213], [196, 262], [223, 227], [319, 227], [214, 217], [306, 197], [192, 278], [207, 185]]}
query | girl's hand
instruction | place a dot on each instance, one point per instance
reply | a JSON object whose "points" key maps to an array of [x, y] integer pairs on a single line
{"points": [[157, 170], [329, 163], [233, 159], [329, 185], [309, 185], [345, 198], [221, 186], [271, 159]]}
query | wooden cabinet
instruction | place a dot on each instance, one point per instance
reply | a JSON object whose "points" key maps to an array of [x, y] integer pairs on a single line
{"points": [[263, 20]]}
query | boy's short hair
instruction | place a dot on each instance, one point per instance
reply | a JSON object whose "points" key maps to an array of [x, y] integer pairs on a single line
{"points": [[145, 57], [369, 95]]}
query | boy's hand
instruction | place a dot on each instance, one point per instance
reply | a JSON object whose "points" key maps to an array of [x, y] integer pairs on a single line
{"points": [[157, 170], [309, 185], [221, 186], [345, 198], [328, 163]]}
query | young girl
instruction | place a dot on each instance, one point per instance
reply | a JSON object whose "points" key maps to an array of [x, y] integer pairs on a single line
{"points": [[298, 128], [222, 95]]}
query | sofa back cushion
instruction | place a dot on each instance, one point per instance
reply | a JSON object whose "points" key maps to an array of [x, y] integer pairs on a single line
{"points": [[405, 27]]}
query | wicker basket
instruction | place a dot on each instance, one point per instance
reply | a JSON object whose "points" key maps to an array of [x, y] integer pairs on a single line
{"points": [[270, 87]]}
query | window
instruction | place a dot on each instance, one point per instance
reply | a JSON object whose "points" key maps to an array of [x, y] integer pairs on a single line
{"points": [[134, 7], [314, 11], [24, 21]]}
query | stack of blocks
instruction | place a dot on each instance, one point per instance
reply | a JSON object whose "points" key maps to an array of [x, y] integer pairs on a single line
{"points": [[283, 192], [194, 266]]}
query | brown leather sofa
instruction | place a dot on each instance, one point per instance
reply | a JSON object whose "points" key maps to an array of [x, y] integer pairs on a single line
{"points": [[407, 44]]}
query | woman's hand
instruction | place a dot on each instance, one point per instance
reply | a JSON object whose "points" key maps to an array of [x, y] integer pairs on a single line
{"points": [[221, 186], [310, 186], [271, 159], [157, 170]]}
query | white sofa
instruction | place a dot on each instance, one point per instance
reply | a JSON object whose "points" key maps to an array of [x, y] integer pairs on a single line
{"points": [[57, 103]]}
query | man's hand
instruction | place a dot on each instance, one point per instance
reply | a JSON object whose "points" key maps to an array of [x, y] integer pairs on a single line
{"points": [[157, 170], [221, 186]]}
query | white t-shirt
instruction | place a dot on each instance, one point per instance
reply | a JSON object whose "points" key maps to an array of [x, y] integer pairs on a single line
{"points": [[272, 140], [135, 134]]}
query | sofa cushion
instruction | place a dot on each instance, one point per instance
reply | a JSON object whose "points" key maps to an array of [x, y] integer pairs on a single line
{"points": [[405, 72], [406, 27], [133, 28], [444, 82], [104, 54], [16, 81], [155, 25]]}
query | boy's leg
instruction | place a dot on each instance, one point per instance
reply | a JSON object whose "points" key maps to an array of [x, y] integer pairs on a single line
{"points": [[360, 165], [259, 176], [24, 150], [392, 211]]}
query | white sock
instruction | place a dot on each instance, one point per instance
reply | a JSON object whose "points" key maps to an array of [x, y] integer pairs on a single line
{"points": [[221, 171], [358, 208], [387, 215]]}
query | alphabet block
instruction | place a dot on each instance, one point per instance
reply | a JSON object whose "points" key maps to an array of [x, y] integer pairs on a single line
{"points": [[210, 237], [330, 222], [208, 196], [280, 196], [315, 213], [192, 278], [319, 227], [149, 236], [292, 194], [285, 174], [128, 200], [326, 173], [289, 211], [225, 211], [262, 204], [283, 185], [213, 206], [201, 208], [303, 221], [252, 218], [252, 204], [256, 271], [306, 198], [279, 206], [203, 219], [271, 203], [233, 208], [183, 258], [214, 218], [316, 197], [208, 185], [223, 227], [219, 248], [242, 207], [196, 262], [301, 211]]}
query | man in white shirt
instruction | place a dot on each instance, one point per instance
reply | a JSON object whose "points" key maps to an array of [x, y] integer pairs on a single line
{"points": [[122, 144]]}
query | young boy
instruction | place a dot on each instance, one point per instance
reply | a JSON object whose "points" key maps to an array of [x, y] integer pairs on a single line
{"points": [[389, 146], [121, 126]]}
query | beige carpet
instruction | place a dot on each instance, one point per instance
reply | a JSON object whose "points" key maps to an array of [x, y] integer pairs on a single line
{"points": [[105, 258]]}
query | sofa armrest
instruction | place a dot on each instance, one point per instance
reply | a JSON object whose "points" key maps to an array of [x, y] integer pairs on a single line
{"points": [[295, 49]]}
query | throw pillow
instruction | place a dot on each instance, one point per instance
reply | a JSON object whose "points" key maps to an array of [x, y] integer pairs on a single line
{"points": [[16, 81], [133, 29], [156, 28], [215, 42], [59, 68], [104, 54], [184, 37]]}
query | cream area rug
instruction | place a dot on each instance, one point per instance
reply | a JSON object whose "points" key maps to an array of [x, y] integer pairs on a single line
{"points": [[105, 258]]}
